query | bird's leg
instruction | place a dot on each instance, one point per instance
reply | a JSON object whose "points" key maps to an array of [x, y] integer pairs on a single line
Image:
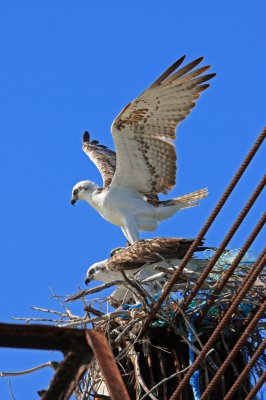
{"points": [[130, 229], [125, 233]]}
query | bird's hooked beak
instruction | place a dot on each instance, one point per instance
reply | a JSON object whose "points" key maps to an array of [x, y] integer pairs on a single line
{"points": [[87, 280], [73, 201]]}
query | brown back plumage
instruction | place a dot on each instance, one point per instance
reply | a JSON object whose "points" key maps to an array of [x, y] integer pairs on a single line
{"points": [[149, 251]]}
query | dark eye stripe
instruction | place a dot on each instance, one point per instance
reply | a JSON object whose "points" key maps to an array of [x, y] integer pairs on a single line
{"points": [[75, 191]]}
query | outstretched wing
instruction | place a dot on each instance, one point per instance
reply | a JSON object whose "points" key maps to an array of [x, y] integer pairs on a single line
{"points": [[105, 161], [144, 130], [149, 251], [102, 157]]}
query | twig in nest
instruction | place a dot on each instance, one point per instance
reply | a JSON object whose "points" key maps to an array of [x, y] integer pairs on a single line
{"points": [[127, 328], [90, 309], [67, 314], [146, 293], [177, 364], [139, 290], [96, 319], [163, 381], [160, 348], [10, 390], [45, 310], [139, 378], [96, 289], [149, 361], [185, 339], [233, 364], [228, 352], [190, 326], [31, 319], [163, 374], [85, 388], [59, 301], [52, 364], [126, 350]]}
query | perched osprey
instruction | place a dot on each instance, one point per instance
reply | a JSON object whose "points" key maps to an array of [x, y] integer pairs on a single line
{"points": [[145, 160], [143, 261]]}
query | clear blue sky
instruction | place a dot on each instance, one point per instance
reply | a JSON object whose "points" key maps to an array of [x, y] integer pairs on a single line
{"points": [[71, 66]]}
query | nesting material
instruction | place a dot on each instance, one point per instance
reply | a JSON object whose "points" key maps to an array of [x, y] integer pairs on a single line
{"points": [[153, 366]]}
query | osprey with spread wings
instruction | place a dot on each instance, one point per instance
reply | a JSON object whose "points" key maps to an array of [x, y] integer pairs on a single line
{"points": [[144, 164]]}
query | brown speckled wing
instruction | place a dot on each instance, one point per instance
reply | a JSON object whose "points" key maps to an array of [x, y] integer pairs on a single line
{"points": [[144, 130], [102, 157], [149, 251]]}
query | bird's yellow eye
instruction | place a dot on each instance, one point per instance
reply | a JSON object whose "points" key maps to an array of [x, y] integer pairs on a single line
{"points": [[75, 191], [92, 271]]}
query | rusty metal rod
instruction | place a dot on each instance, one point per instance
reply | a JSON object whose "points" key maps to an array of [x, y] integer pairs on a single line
{"points": [[224, 243], [225, 277], [207, 347], [246, 370], [205, 228], [113, 379], [256, 388], [235, 350]]}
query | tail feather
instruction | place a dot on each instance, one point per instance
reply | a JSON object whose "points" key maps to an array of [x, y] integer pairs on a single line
{"points": [[187, 199], [191, 197], [167, 208]]}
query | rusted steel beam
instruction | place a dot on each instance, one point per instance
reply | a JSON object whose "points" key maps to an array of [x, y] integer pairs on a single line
{"points": [[246, 370], [43, 337], [225, 277], [78, 345], [223, 245], [71, 342], [256, 388], [205, 228], [68, 374], [247, 282], [235, 350], [107, 364]]}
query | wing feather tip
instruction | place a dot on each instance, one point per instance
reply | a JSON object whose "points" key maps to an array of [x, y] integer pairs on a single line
{"points": [[178, 62], [200, 88], [199, 59], [168, 72], [86, 137], [181, 59], [212, 75]]}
